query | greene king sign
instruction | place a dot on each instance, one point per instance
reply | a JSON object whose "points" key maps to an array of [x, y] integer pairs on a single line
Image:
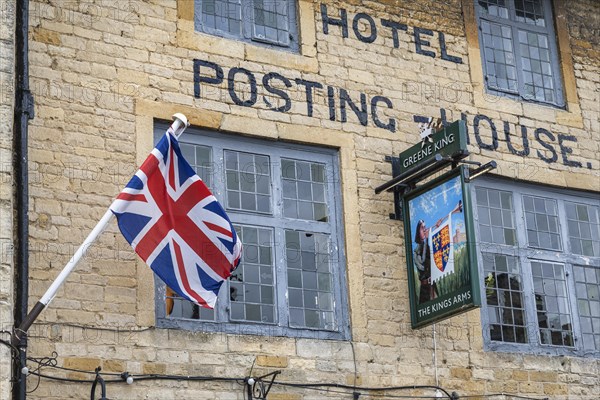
{"points": [[439, 240], [446, 142]]}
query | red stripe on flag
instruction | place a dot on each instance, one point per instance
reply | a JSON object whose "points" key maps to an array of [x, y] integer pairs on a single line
{"points": [[172, 168], [132, 197], [183, 275], [218, 228]]}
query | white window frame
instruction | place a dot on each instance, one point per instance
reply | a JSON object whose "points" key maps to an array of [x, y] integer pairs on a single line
{"points": [[334, 228], [526, 255]]}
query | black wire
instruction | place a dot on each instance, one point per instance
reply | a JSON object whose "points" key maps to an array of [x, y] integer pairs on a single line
{"points": [[51, 362], [12, 346], [76, 370], [142, 378], [39, 379], [354, 360], [516, 396], [42, 362], [323, 387], [124, 329], [398, 396], [45, 361], [58, 378], [370, 395], [369, 389], [186, 378]]}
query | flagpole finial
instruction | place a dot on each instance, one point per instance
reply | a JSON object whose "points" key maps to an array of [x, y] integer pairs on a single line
{"points": [[180, 123]]}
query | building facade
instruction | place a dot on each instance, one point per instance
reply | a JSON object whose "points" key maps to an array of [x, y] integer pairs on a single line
{"points": [[294, 106]]}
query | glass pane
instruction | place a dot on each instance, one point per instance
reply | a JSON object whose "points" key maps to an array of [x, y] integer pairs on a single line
{"points": [[243, 173], [251, 286], [294, 278], [222, 15], [587, 290], [496, 219], [296, 317], [199, 158], [318, 192], [289, 189], [499, 59], [312, 318], [541, 220], [309, 289], [288, 169], [177, 307], [584, 230], [530, 12], [271, 21], [324, 282], [320, 212], [253, 312], [188, 152], [295, 298], [309, 280], [536, 68], [248, 201], [481, 195], [304, 191], [504, 298], [552, 303], [290, 208], [496, 8], [304, 182], [318, 172]]}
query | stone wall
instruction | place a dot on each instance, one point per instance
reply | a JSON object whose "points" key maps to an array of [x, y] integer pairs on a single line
{"points": [[102, 71], [7, 48]]}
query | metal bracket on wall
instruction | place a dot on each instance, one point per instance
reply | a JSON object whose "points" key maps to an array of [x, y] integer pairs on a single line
{"points": [[404, 182], [397, 214]]}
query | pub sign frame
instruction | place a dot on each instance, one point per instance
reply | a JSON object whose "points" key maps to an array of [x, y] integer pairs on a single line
{"points": [[442, 270]]}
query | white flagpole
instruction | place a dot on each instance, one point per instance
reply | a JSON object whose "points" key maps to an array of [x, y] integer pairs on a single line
{"points": [[180, 123]]}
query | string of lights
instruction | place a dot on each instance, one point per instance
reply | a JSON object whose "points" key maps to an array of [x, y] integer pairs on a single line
{"points": [[361, 394], [514, 396], [334, 388], [357, 391]]}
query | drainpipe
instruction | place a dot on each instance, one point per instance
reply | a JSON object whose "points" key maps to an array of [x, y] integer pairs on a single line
{"points": [[23, 113]]}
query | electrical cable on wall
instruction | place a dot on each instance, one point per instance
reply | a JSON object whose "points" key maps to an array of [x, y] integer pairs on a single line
{"points": [[437, 381], [350, 390], [41, 363]]}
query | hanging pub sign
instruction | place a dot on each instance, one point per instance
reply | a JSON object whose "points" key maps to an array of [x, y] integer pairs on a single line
{"points": [[440, 249], [438, 225]]}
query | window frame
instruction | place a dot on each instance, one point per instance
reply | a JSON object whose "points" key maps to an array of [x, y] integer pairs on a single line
{"points": [[247, 26], [526, 255], [334, 227], [555, 62]]}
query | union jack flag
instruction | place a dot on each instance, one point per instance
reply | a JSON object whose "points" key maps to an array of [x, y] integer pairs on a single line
{"points": [[175, 224]]}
